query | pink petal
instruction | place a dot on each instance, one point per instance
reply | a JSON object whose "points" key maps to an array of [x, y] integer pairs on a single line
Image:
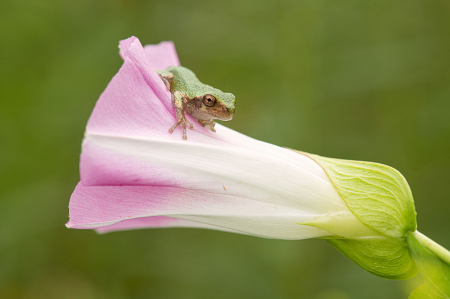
{"points": [[130, 107], [96, 207], [125, 44], [162, 55]]}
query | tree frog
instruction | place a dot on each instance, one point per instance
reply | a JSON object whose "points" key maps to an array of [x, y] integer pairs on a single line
{"points": [[203, 102]]}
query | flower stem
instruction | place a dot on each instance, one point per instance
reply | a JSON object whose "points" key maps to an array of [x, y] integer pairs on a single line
{"points": [[432, 246]]}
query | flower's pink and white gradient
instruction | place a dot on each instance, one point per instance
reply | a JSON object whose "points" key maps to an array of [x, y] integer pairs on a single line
{"points": [[135, 174]]}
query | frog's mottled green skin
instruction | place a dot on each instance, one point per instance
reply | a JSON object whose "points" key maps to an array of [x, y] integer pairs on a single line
{"points": [[203, 102]]}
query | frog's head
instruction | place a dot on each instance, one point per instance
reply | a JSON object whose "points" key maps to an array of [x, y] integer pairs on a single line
{"points": [[218, 105]]}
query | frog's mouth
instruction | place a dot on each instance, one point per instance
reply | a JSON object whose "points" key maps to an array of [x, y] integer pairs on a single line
{"points": [[229, 116]]}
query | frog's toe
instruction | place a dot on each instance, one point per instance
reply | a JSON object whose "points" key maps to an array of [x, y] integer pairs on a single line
{"points": [[184, 131], [183, 125], [174, 126], [211, 126]]}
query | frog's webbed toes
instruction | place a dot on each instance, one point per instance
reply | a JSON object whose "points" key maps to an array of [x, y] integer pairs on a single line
{"points": [[183, 124], [184, 132], [191, 126]]}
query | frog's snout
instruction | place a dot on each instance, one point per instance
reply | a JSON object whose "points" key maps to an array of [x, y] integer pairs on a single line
{"points": [[228, 107], [229, 112]]}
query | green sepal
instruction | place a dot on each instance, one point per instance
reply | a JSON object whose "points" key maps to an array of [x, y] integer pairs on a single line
{"points": [[382, 256], [378, 195], [434, 270], [380, 198]]}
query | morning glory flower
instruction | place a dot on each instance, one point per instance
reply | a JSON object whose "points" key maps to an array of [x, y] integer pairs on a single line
{"points": [[135, 174]]}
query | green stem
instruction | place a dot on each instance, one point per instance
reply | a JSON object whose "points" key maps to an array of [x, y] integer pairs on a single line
{"points": [[432, 246]]}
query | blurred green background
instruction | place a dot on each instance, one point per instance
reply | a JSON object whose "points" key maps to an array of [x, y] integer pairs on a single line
{"points": [[353, 79]]}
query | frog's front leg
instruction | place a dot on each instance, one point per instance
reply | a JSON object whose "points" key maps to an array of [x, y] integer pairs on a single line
{"points": [[179, 102], [209, 124]]}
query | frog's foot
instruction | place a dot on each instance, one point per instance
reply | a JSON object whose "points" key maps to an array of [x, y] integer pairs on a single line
{"points": [[183, 123], [209, 124]]}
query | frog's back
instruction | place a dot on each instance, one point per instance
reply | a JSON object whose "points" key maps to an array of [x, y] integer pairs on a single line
{"points": [[185, 81]]}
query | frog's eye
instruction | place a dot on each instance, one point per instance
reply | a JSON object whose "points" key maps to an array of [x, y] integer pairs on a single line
{"points": [[209, 100]]}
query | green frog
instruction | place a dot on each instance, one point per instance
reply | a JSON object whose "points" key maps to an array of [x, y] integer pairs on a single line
{"points": [[203, 102]]}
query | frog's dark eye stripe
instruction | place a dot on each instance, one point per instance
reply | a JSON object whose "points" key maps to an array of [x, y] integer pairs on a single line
{"points": [[209, 100]]}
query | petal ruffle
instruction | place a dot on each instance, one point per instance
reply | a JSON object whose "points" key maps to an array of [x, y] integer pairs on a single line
{"points": [[156, 222]]}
